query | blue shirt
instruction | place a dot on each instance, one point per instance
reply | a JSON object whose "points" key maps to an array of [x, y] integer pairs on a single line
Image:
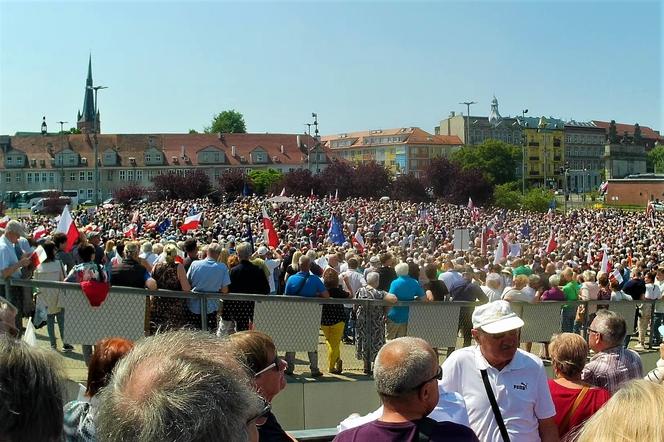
{"points": [[406, 289], [8, 256], [311, 288], [207, 275]]}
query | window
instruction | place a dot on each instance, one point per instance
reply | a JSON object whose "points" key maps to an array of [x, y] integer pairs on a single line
{"points": [[91, 176], [91, 193], [10, 160], [123, 175], [29, 177], [157, 158], [72, 160], [81, 175], [260, 157], [8, 178], [17, 177], [148, 158], [72, 176], [130, 175], [152, 174], [139, 175], [51, 177], [19, 161]]}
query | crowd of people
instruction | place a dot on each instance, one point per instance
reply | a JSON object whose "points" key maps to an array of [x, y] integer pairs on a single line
{"points": [[378, 250]]}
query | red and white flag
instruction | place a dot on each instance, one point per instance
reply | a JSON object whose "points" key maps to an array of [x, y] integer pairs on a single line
{"points": [[605, 259], [550, 214], [589, 258], [358, 240], [475, 214], [269, 232], [470, 203], [336, 195], [3, 221], [311, 195], [502, 249], [67, 226], [39, 232], [191, 222], [135, 217], [38, 256], [283, 192], [552, 244], [130, 231], [150, 225]]}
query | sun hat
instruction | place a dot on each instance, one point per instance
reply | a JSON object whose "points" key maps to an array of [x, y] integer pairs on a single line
{"points": [[496, 317], [262, 250]]}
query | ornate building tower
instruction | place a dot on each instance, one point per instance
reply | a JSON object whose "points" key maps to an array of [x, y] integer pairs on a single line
{"points": [[88, 121], [494, 117]]}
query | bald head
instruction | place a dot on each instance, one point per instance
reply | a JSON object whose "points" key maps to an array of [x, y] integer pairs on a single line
{"points": [[402, 365]]}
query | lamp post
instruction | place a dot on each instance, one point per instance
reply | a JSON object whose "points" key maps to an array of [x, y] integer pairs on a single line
{"points": [[96, 131], [316, 138], [523, 153], [467, 132], [565, 172], [62, 163]]}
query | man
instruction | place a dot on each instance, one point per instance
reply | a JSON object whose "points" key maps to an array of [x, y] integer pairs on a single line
{"points": [[492, 287], [147, 253], [66, 258], [303, 283], [190, 251], [468, 291], [157, 391], [516, 378], [451, 276], [354, 281], [132, 271], [406, 289], [405, 373], [272, 264], [652, 293], [12, 261], [207, 275], [386, 272], [32, 390], [95, 240], [245, 278], [612, 365]]}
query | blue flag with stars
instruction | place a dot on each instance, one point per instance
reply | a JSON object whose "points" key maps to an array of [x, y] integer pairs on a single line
{"points": [[163, 226], [336, 233]]}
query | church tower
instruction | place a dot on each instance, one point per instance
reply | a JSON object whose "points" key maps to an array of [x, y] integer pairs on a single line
{"points": [[88, 121], [494, 117]]}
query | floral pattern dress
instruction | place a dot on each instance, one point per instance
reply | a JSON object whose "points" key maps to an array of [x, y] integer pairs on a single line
{"points": [[375, 339], [167, 313]]}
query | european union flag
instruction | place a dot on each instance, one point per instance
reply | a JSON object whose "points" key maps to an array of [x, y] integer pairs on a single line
{"points": [[245, 190], [336, 233], [525, 230], [250, 236], [163, 226]]}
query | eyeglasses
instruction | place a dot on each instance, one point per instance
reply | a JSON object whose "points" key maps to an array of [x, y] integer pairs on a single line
{"points": [[276, 365], [438, 376], [261, 417], [593, 331]]}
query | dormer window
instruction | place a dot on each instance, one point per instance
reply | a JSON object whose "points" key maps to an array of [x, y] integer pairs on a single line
{"points": [[9, 160], [148, 158], [157, 158]]}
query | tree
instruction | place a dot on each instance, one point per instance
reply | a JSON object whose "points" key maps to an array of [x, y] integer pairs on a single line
{"points": [[125, 195], [166, 185], [507, 196], [371, 180], [264, 179], [227, 122], [439, 174], [232, 181], [194, 184], [301, 182], [613, 132], [193, 131], [73, 130], [637, 139], [656, 157], [408, 187], [338, 176], [497, 160], [469, 183], [537, 200]]}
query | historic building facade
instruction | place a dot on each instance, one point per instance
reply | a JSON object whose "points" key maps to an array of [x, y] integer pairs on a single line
{"points": [[584, 155]]}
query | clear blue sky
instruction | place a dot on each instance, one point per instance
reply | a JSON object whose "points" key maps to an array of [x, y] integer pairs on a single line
{"points": [[171, 66]]}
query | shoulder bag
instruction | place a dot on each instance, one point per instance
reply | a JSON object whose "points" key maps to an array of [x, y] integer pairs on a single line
{"points": [[564, 424], [96, 291], [494, 407]]}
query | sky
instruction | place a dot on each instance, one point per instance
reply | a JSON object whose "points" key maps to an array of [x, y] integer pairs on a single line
{"points": [[170, 66]]}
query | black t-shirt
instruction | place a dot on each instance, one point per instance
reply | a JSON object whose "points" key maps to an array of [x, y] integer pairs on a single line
{"points": [[271, 431], [635, 288], [438, 289], [129, 273], [387, 275]]}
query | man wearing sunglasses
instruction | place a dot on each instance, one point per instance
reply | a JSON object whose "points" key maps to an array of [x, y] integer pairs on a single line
{"points": [[406, 374], [504, 387]]}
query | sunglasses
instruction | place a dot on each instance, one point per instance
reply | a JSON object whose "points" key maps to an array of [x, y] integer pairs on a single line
{"points": [[275, 365], [438, 376], [261, 417]]}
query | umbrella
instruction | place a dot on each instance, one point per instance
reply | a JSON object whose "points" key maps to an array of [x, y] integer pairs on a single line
{"points": [[280, 199]]}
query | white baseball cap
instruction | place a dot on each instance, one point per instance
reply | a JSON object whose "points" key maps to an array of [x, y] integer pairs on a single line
{"points": [[496, 317], [262, 250]]}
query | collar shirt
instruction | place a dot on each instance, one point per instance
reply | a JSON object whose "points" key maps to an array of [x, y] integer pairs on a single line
{"points": [[521, 390], [355, 281], [490, 293], [612, 367], [452, 279], [207, 275], [8, 256]]}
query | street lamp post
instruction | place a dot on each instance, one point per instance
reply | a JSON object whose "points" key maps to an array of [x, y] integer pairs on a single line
{"points": [[467, 131], [523, 153], [62, 163], [96, 131], [316, 138]]}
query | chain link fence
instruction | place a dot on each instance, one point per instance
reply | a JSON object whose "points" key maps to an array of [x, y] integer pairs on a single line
{"points": [[314, 334]]}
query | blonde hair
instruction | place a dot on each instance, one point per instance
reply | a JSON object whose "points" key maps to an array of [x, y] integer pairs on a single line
{"points": [[295, 262], [223, 256], [520, 281], [611, 424], [568, 354]]}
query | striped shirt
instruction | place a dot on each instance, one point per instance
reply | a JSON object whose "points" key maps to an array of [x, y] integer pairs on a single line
{"points": [[612, 367]]}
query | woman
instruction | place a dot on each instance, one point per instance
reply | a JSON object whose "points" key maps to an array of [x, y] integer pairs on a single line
{"points": [[615, 423], [435, 289], [79, 418], [333, 320], [553, 293], [109, 254], [604, 289], [589, 291], [294, 266], [516, 293], [168, 313], [371, 339], [268, 378], [52, 269], [574, 399]]}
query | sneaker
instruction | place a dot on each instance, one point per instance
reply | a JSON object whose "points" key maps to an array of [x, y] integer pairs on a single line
{"points": [[316, 374], [639, 347], [68, 347]]}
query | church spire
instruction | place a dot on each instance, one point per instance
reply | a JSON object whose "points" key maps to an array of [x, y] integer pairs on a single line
{"points": [[86, 119], [494, 116]]}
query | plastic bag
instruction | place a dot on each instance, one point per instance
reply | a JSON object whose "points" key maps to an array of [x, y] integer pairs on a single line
{"points": [[30, 337], [41, 311]]}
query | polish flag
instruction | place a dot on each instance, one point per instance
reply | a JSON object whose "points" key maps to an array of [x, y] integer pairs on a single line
{"points": [[269, 231], [589, 258], [130, 231], [359, 241], [150, 225], [67, 226], [39, 232], [311, 194], [550, 214], [283, 192], [502, 249], [191, 222], [552, 244], [605, 259], [336, 195], [470, 203], [38, 256], [3, 221]]}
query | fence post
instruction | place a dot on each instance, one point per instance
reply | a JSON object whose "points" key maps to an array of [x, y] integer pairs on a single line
{"points": [[203, 298], [368, 338], [652, 322], [586, 319]]}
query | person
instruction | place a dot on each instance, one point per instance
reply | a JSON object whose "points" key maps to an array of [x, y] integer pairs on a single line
{"points": [[614, 423], [369, 340], [612, 365], [147, 253], [245, 278], [657, 374], [518, 378], [352, 280], [406, 373], [267, 372], [451, 276], [80, 415], [553, 293], [8, 318], [31, 382], [190, 251], [333, 320], [52, 270], [386, 271], [491, 287], [94, 239], [467, 291], [165, 312], [571, 288], [435, 288], [303, 283], [652, 293], [132, 271], [405, 289], [12, 262], [516, 293], [180, 385], [574, 399], [272, 264], [207, 275], [62, 255]]}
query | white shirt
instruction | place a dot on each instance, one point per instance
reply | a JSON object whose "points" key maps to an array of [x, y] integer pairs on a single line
{"points": [[272, 264], [450, 408], [355, 281], [521, 391], [8, 256], [490, 293]]}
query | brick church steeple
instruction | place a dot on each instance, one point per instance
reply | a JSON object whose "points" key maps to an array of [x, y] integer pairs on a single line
{"points": [[88, 122]]}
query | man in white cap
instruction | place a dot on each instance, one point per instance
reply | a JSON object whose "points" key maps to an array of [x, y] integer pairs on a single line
{"points": [[12, 260], [271, 264], [504, 387]]}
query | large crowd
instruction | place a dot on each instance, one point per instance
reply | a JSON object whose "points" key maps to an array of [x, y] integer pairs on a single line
{"points": [[383, 250]]}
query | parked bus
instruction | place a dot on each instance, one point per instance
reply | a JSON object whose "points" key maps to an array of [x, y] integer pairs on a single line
{"points": [[27, 198]]}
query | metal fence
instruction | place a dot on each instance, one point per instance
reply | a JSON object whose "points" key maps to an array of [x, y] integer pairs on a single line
{"points": [[294, 323]]}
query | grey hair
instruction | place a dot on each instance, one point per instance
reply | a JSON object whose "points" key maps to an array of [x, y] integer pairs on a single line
{"points": [[400, 378], [611, 326], [401, 269], [146, 247], [373, 279], [244, 250], [312, 255], [30, 409], [554, 280], [178, 386], [589, 276], [14, 226], [214, 249], [303, 261], [493, 280]]}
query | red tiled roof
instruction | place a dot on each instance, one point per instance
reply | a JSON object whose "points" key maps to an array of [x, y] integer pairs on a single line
{"points": [[415, 135], [621, 128]]}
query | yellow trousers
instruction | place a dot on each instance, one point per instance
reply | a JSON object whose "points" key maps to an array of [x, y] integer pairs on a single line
{"points": [[333, 335]]}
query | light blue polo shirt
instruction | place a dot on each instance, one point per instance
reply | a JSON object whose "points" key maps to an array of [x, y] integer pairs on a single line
{"points": [[8, 256], [406, 289], [207, 275], [310, 288]]}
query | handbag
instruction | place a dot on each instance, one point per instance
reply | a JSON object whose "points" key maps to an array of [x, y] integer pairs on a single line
{"points": [[564, 424], [95, 291], [494, 407]]}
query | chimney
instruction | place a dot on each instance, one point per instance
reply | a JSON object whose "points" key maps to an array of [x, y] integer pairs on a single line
{"points": [[182, 152], [233, 151], [282, 149], [452, 113], [299, 142]]}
